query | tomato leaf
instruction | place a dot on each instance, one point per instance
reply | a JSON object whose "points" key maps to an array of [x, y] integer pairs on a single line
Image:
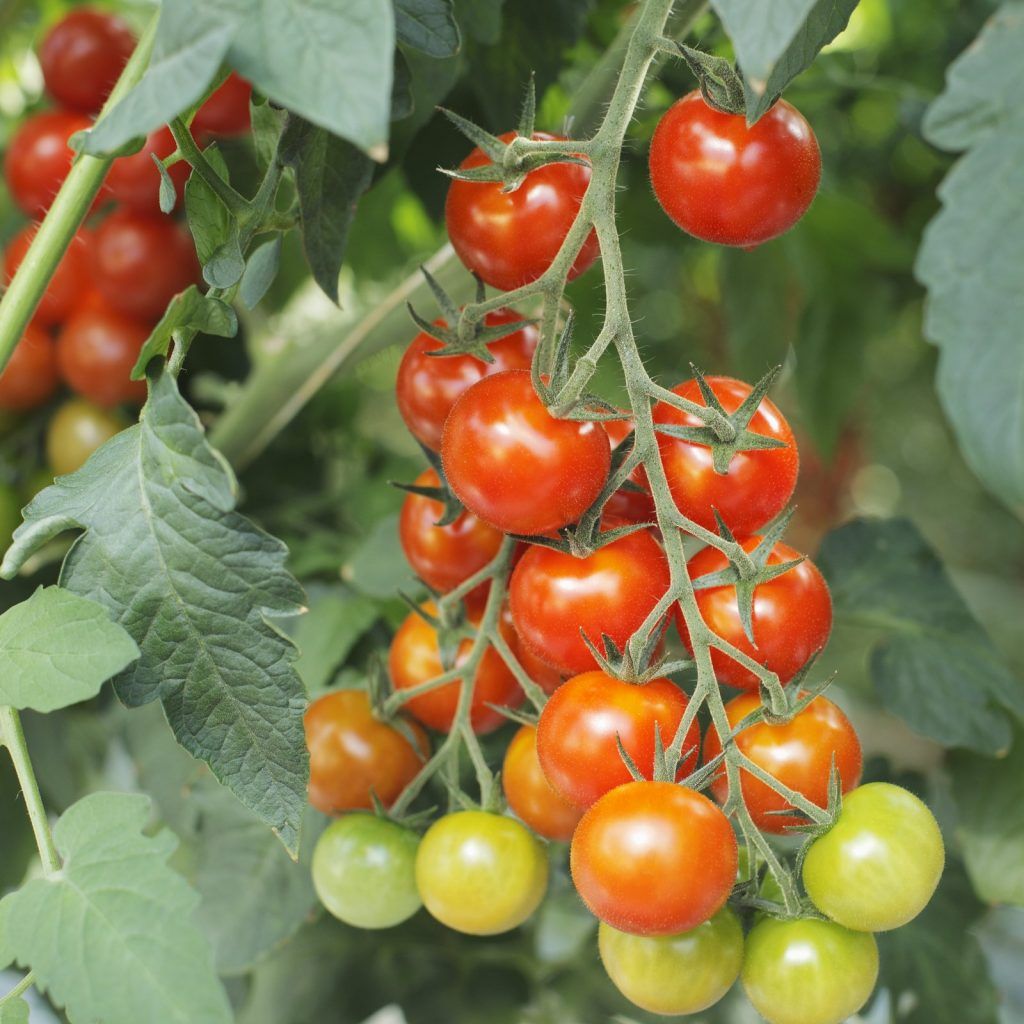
{"points": [[197, 585], [110, 937], [214, 228], [58, 649], [934, 666], [14, 1012], [427, 25], [260, 271], [970, 260]]}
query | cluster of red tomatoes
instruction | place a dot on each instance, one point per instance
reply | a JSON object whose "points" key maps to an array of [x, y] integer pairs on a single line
{"points": [[121, 270]]}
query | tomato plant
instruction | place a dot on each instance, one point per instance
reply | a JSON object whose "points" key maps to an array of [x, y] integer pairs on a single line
{"points": [[38, 158], [529, 793], [134, 181], [76, 430], [226, 112], [31, 377], [69, 282]]}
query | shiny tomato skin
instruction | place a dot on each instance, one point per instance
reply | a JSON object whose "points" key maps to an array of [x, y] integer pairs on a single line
{"points": [[134, 181], [798, 753], [726, 182], [628, 505], [514, 465], [69, 282], [792, 616], [226, 112], [576, 734], [75, 431], [82, 57], [653, 858], [353, 754], [553, 595], [142, 262], [414, 658], [38, 158], [509, 239], [758, 484], [529, 794], [30, 377]]}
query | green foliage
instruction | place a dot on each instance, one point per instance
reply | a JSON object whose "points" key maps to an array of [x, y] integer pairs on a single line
{"points": [[14, 1012], [214, 227], [427, 25], [189, 310]]}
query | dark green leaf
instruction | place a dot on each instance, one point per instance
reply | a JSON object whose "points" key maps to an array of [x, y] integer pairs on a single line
{"points": [[378, 568], [481, 19], [401, 89], [214, 228], [427, 25], [260, 271], [268, 122]]}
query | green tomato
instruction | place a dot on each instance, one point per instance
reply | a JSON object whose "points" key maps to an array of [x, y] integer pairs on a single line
{"points": [[364, 871], [76, 430], [481, 873], [878, 866], [808, 971], [675, 974]]}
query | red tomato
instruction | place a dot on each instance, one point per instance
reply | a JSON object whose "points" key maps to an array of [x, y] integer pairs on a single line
{"points": [[653, 858], [554, 595], [514, 465], [414, 658], [529, 793], [226, 112], [141, 263], [792, 616], [353, 754], [725, 182], [134, 181], [628, 506], [799, 754], [30, 377], [96, 350], [758, 483], [547, 678], [580, 724], [509, 239], [69, 281], [443, 556], [427, 386], [38, 158], [82, 58]]}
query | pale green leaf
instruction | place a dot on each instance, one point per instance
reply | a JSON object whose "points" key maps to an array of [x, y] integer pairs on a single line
{"points": [[336, 619]]}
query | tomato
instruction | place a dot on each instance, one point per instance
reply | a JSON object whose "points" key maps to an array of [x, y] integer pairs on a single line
{"points": [[799, 754], [141, 263], [547, 678], [724, 181], [353, 754], [529, 793], [808, 971], [134, 181], [226, 112], [513, 464], [69, 281], [877, 867], [38, 158], [757, 485], [76, 430], [578, 728], [443, 556], [96, 350], [554, 595], [628, 506], [30, 377], [675, 974], [480, 873], [364, 871], [10, 515], [653, 858], [509, 239], [414, 658], [427, 386], [792, 616], [82, 57]]}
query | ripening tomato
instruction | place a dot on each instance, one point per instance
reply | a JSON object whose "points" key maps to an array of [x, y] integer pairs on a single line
{"points": [[758, 483], [76, 430], [427, 386], [798, 753], [628, 505], [792, 616], [82, 57], [808, 971], [480, 873], [879, 864], [38, 158], [134, 181], [364, 871], [553, 595], [547, 678], [675, 974], [226, 112], [725, 181], [141, 263], [415, 657], [588, 716], [30, 377], [653, 858], [69, 282], [513, 464], [509, 239], [530, 795], [353, 754]]}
